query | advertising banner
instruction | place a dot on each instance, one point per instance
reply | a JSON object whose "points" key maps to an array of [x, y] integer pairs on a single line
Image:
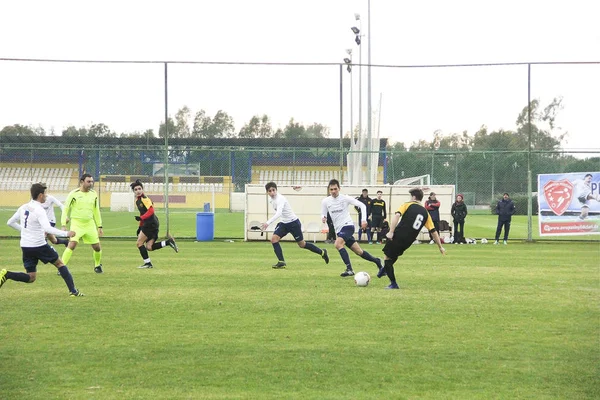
{"points": [[569, 204]]}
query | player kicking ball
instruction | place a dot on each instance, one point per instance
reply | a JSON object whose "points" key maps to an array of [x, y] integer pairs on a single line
{"points": [[33, 224], [403, 232], [147, 233]]}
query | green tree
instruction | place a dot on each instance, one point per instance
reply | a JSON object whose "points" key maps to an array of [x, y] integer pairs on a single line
{"points": [[257, 127], [182, 127], [100, 130], [162, 130], [72, 131], [294, 130], [18, 130]]}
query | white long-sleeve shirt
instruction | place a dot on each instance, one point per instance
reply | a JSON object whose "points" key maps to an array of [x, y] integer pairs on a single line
{"points": [[33, 224], [337, 207], [282, 209], [49, 207]]}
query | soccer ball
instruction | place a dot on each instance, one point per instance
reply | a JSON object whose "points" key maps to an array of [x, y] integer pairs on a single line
{"points": [[484, 241], [362, 279]]}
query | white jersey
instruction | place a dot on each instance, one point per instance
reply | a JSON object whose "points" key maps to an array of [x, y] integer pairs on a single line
{"points": [[49, 207], [337, 207], [282, 209], [33, 224]]}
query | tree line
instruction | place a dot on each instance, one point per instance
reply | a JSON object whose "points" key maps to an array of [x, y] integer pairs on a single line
{"points": [[183, 125]]}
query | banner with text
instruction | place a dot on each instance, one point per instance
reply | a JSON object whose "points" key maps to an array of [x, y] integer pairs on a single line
{"points": [[569, 204]]}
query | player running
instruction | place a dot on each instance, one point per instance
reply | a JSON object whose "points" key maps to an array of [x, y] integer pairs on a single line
{"points": [[337, 204], [147, 232], [289, 224]]}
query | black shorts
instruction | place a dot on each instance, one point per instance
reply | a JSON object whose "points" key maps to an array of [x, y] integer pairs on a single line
{"points": [[294, 227], [31, 256], [150, 230], [396, 247], [377, 221]]}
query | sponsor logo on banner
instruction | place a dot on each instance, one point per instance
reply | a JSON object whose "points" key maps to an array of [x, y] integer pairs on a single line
{"points": [[558, 195]]}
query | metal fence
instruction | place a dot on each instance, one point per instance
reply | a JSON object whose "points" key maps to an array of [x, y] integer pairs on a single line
{"points": [[480, 176]]}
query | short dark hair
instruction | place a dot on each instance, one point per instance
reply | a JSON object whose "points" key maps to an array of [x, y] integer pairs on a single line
{"points": [[334, 182], [416, 193], [136, 184], [586, 175], [84, 176], [37, 189], [379, 191], [365, 190], [506, 194], [270, 185]]}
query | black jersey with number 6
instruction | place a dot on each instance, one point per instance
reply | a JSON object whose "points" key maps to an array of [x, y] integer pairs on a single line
{"points": [[414, 217]]}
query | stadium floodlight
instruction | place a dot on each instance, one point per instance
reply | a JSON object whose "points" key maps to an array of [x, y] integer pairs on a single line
{"points": [[347, 60], [355, 30], [349, 51], [357, 16]]}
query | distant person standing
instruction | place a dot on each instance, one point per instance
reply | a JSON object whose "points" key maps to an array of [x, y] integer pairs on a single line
{"points": [[378, 215], [337, 204], [505, 210], [31, 220], [366, 200], [459, 213], [432, 205], [82, 207], [289, 224]]}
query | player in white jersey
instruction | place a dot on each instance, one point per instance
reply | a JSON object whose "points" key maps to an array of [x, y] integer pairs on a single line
{"points": [[336, 205], [31, 220], [584, 192], [289, 224], [48, 206]]}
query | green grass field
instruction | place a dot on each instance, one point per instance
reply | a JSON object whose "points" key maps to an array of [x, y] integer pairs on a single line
{"points": [[217, 322]]}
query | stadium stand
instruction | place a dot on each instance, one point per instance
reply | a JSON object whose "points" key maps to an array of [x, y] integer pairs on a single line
{"points": [[20, 178]]}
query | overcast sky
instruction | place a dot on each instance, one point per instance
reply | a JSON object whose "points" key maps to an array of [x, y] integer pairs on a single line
{"points": [[414, 101]]}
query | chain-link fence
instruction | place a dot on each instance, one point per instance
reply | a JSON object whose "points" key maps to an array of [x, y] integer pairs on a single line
{"points": [[200, 169]]}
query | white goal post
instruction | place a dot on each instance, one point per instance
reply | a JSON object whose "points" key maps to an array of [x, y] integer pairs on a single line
{"points": [[306, 203]]}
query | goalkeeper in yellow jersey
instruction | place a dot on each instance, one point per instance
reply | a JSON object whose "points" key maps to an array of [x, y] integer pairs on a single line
{"points": [[148, 229], [82, 209]]}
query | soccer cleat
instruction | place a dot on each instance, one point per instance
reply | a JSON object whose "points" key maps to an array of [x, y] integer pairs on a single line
{"points": [[325, 257], [98, 269], [393, 285], [381, 272], [2, 277], [279, 265], [76, 293], [146, 266], [505, 242], [496, 242], [172, 244], [346, 273]]}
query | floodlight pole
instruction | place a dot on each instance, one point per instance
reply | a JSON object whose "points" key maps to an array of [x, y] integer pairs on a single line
{"points": [[369, 104], [529, 192], [166, 166], [341, 121]]}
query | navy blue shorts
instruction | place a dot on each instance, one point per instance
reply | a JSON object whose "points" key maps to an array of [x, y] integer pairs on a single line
{"points": [[347, 233], [31, 256], [293, 227]]}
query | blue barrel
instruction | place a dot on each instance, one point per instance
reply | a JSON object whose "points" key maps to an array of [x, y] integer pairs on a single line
{"points": [[205, 226]]}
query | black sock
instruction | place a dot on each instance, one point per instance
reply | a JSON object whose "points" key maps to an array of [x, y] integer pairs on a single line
{"points": [[389, 269], [156, 246], [18, 276], [62, 241], [68, 278], [144, 251]]}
